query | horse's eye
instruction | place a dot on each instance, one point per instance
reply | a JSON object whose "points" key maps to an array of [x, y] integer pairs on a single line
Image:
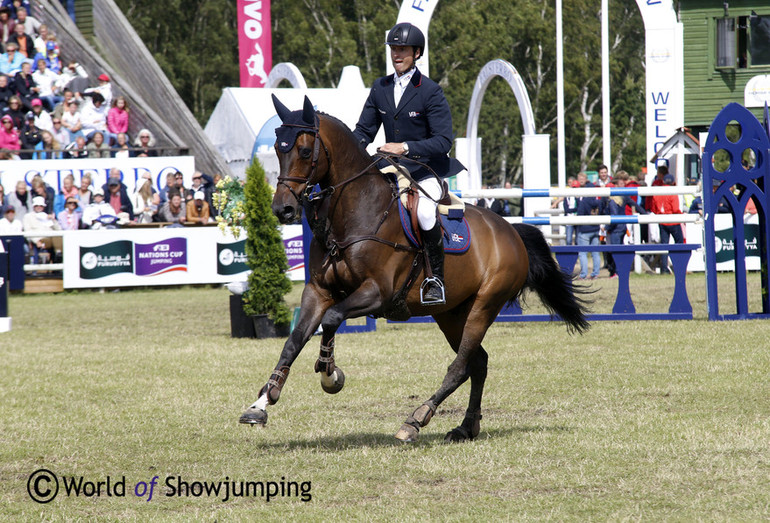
{"points": [[304, 152]]}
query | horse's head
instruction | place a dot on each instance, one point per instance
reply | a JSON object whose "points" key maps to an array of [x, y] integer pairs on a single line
{"points": [[298, 145]]}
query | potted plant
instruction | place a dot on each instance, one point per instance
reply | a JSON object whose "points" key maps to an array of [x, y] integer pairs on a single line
{"points": [[247, 205]]}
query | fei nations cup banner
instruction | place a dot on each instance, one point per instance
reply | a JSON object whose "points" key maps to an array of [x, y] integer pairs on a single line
{"points": [[138, 256], [255, 42]]}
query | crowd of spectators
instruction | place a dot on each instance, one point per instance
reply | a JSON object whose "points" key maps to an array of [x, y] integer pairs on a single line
{"points": [[83, 205], [54, 111]]}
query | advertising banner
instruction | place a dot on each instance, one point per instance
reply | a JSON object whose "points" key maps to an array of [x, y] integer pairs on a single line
{"points": [[131, 257], [724, 242], [255, 42]]}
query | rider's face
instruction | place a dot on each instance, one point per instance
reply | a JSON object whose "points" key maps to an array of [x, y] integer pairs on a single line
{"points": [[402, 57]]}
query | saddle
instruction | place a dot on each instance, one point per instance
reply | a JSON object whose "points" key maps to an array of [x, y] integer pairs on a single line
{"points": [[451, 210]]}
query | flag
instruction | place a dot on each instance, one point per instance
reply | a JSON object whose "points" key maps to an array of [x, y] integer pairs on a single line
{"points": [[255, 42]]}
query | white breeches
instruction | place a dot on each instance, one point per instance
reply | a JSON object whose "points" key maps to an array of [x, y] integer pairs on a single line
{"points": [[426, 208]]}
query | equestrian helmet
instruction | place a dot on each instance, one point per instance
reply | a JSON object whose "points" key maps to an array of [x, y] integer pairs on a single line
{"points": [[406, 34]]}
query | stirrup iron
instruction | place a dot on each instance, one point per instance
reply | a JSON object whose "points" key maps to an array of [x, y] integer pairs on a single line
{"points": [[424, 285]]}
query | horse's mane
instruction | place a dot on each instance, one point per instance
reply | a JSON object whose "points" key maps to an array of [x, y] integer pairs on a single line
{"points": [[346, 132]]}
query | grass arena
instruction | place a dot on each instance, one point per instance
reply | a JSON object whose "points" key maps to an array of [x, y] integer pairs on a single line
{"points": [[633, 420]]}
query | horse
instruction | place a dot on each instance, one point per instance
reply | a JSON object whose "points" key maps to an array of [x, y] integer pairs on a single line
{"points": [[361, 264]]}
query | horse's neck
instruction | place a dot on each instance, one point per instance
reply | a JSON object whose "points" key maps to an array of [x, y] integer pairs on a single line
{"points": [[359, 205]]}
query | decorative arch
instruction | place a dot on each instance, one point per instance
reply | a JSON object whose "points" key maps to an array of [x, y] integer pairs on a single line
{"points": [[286, 71], [509, 73]]}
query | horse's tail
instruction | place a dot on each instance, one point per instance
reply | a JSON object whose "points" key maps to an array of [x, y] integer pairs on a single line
{"points": [[554, 286]]}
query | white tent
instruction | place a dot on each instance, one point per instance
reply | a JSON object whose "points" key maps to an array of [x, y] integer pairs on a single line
{"points": [[244, 120]]}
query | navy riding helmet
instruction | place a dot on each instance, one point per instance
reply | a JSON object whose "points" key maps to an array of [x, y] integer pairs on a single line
{"points": [[406, 34]]}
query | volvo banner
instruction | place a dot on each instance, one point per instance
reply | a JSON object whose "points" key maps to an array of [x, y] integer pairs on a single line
{"points": [[255, 42]]}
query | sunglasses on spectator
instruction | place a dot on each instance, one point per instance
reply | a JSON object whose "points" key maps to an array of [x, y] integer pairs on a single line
{"points": [[145, 136], [56, 121]]}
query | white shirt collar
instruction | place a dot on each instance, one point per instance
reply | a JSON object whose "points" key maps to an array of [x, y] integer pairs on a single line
{"points": [[405, 78]]}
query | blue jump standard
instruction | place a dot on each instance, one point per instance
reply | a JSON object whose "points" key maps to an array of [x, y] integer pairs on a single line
{"points": [[566, 255]]}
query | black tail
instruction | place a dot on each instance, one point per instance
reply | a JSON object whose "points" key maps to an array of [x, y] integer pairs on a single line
{"points": [[554, 286]]}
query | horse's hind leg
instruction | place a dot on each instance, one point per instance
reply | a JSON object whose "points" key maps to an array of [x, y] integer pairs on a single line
{"points": [[471, 425], [471, 361]]}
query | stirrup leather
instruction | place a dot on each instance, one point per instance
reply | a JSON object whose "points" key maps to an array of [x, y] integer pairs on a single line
{"points": [[424, 285]]}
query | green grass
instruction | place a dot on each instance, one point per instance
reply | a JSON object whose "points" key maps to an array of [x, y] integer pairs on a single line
{"points": [[634, 420]]}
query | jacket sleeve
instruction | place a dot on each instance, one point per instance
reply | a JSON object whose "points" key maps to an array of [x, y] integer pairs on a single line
{"points": [[369, 122]]}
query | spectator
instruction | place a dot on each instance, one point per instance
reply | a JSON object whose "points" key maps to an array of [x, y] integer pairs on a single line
{"points": [[117, 117], [104, 88], [39, 220], [68, 189], [9, 137], [73, 77], [41, 40], [69, 218], [667, 204], [6, 91], [84, 194], [42, 118], [20, 199], [118, 198], [122, 149], [26, 88], [94, 117], [40, 188], [25, 43], [14, 5], [588, 235], [15, 111], [77, 148], [495, 205], [72, 121], [98, 211], [604, 179], [97, 148], [198, 210], [2, 199], [11, 60], [173, 211], [205, 183], [30, 137], [170, 183], [48, 148], [47, 82], [9, 223], [61, 107], [145, 200], [186, 194], [6, 23], [30, 23], [60, 134], [142, 146]]}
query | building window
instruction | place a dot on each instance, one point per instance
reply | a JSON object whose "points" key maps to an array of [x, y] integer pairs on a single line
{"points": [[743, 41], [759, 41]]}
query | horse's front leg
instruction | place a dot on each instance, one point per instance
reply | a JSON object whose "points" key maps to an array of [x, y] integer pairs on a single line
{"points": [[365, 300], [315, 302]]}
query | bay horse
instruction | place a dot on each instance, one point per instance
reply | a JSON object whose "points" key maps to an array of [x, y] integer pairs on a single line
{"points": [[361, 264]]}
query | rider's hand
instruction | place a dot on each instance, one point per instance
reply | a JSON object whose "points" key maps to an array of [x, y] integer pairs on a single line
{"points": [[393, 148]]}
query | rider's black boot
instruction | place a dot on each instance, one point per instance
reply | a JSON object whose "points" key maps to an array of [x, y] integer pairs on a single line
{"points": [[432, 289]]}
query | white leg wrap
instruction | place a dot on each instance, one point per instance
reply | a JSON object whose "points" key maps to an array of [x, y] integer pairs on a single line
{"points": [[261, 403]]}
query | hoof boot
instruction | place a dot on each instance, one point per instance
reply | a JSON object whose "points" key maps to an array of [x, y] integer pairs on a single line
{"points": [[407, 433]]}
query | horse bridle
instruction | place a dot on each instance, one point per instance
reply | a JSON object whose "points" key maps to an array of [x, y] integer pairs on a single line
{"points": [[308, 181]]}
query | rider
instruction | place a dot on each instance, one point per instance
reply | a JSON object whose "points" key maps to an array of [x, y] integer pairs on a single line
{"points": [[418, 125]]}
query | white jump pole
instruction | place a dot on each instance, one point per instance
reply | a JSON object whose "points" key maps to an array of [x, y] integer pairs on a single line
{"points": [[5, 320]]}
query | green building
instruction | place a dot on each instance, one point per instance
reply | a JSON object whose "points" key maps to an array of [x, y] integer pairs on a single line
{"points": [[726, 49]]}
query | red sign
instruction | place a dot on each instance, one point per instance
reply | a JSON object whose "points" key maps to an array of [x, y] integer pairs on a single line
{"points": [[255, 42]]}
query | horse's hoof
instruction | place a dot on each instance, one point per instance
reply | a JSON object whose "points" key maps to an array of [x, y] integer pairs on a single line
{"points": [[254, 416], [457, 435], [334, 383], [407, 433]]}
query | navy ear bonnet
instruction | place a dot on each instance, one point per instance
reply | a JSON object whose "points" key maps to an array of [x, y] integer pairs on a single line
{"points": [[294, 122]]}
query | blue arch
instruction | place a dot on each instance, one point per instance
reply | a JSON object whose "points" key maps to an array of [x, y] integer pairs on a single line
{"points": [[755, 182]]}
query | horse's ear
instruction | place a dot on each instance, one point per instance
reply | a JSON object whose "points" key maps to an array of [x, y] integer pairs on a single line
{"points": [[308, 113], [281, 109]]}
